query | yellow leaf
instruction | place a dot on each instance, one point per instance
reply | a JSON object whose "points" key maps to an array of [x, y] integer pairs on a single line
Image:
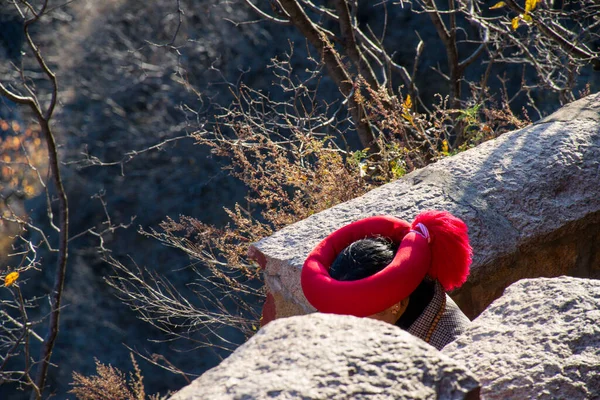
{"points": [[407, 105], [498, 5], [515, 22], [11, 278], [29, 190], [530, 5], [445, 146], [527, 18]]}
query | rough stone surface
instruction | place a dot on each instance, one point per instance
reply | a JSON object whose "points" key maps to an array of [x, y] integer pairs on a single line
{"points": [[586, 108], [322, 356], [540, 340], [529, 197]]}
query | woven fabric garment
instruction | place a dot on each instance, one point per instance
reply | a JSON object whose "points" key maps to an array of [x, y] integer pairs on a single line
{"points": [[452, 323]]}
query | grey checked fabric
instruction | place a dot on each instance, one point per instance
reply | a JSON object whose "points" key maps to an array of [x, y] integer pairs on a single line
{"points": [[452, 323]]}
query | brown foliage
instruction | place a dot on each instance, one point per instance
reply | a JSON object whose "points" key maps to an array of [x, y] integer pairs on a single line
{"points": [[110, 383]]}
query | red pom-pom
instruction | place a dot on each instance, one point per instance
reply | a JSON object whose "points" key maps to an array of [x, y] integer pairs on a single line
{"points": [[451, 252]]}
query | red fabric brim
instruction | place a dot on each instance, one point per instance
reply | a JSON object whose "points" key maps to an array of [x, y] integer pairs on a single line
{"points": [[377, 292]]}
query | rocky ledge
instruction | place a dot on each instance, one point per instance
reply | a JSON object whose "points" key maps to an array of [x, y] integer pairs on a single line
{"points": [[540, 340]]}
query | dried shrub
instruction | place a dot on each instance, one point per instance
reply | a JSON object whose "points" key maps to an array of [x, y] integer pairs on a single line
{"points": [[287, 156], [110, 383], [23, 163]]}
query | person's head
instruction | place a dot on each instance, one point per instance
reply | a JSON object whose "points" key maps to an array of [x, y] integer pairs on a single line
{"points": [[434, 245], [364, 258]]}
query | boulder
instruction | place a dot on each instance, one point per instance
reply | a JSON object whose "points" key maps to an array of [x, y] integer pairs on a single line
{"points": [[540, 340], [529, 197], [324, 356]]}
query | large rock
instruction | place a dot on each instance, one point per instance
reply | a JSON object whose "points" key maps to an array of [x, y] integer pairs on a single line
{"points": [[322, 356], [540, 340], [529, 197]]}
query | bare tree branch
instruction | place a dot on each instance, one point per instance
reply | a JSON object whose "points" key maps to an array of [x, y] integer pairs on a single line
{"points": [[336, 70], [349, 42], [266, 16]]}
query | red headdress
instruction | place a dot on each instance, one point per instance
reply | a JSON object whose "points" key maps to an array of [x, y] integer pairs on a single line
{"points": [[435, 245]]}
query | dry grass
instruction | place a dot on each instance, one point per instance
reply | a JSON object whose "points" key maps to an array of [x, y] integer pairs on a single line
{"points": [[110, 383]]}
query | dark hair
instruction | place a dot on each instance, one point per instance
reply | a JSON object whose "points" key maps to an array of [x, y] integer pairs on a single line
{"points": [[368, 256], [363, 258]]}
